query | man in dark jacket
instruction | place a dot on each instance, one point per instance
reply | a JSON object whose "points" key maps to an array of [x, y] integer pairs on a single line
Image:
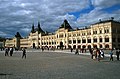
{"points": [[24, 53]]}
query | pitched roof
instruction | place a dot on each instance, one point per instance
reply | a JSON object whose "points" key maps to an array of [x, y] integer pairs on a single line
{"points": [[65, 25]]}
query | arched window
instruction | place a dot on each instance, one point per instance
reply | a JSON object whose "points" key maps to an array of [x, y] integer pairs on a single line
{"points": [[94, 46], [74, 41], [100, 45], [83, 40], [89, 40], [78, 41], [100, 39], [95, 39], [74, 47], [106, 38], [79, 46], [100, 31], [106, 46]]}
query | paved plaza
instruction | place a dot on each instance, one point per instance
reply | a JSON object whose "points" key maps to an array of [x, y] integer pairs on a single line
{"points": [[56, 65]]}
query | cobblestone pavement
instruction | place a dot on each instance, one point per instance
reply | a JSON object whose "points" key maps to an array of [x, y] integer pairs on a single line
{"points": [[56, 65]]}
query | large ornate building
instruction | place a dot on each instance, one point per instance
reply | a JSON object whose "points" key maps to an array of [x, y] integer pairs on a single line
{"points": [[104, 34]]}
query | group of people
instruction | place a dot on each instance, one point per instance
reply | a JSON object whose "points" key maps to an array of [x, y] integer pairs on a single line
{"points": [[96, 53], [99, 54], [117, 54], [9, 51]]}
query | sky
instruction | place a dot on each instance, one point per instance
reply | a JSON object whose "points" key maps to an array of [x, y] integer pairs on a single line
{"points": [[19, 15]]}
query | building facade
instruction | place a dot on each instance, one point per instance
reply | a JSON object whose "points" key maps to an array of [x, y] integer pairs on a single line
{"points": [[104, 34]]}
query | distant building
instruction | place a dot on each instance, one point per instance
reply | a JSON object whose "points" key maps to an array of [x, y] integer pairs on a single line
{"points": [[104, 34]]}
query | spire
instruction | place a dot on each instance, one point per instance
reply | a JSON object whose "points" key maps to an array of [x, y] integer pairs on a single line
{"points": [[39, 28], [39, 25], [33, 30]]}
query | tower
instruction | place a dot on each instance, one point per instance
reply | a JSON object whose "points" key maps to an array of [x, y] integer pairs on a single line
{"points": [[39, 28], [33, 29]]}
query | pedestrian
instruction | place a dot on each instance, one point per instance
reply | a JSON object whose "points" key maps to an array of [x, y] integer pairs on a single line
{"points": [[71, 49], [24, 53], [11, 51], [6, 52], [117, 53], [111, 55], [102, 53], [98, 54], [42, 49], [91, 53], [76, 52]]}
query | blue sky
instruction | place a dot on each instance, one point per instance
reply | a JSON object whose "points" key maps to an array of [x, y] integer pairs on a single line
{"points": [[19, 15]]}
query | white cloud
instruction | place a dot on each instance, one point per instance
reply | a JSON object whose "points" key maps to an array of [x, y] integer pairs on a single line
{"points": [[51, 13], [104, 3], [95, 15]]}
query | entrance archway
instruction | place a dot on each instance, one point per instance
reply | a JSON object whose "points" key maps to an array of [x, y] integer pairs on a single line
{"points": [[61, 45], [33, 45]]}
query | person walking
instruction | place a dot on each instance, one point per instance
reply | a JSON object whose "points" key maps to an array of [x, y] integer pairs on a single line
{"points": [[111, 55], [98, 54], [91, 53], [76, 52], [24, 53], [11, 51], [6, 52], [71, 49], [102, 53], [117, 53]]}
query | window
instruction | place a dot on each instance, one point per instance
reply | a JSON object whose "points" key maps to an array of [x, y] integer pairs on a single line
{"points": [[69, 41], [79, 41], [106, 30], [83, 40], [83, 34], [100, 46], [106, 39], [95, 39], [106, 46], [74, 41], [100, 39], [89, 40], [69, 35], [89, 33], [95, 32], [74, 34]]}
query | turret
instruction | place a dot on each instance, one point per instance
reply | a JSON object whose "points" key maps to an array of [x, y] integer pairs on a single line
{"points": [[33, 29], [39, 28]]}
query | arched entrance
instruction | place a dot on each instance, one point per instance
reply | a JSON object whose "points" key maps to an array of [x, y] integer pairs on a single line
{"points": [[89, 46], [61, 45], [106, 46], [79, 46], [74, 47], [33, 45], [94, 46], [83, 46]]}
